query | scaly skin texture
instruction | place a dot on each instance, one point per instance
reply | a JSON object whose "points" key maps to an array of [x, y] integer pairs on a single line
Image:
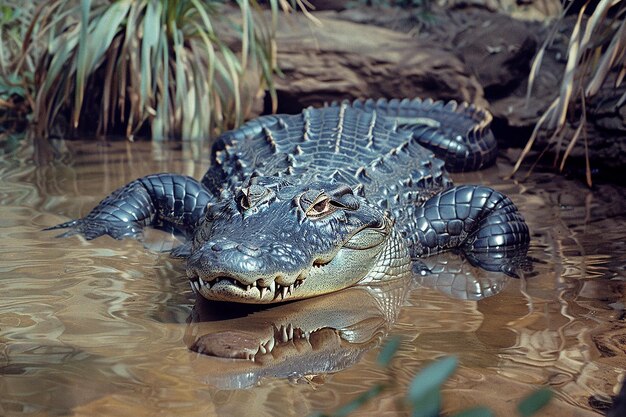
{"points": [[295, 206]]}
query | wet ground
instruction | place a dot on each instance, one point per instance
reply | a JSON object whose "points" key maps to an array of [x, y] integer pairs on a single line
{"points": [[100, 327]]}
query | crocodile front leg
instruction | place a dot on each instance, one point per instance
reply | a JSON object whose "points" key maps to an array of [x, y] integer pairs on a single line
{"points": [[482, 222], [160, 200]]}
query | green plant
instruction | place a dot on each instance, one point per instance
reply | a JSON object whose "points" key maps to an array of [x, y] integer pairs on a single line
{"points": [[16, 69], [597, 48], [423, 398], [168, 63], [15, 19]]}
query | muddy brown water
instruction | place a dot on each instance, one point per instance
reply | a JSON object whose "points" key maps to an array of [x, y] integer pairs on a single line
{"points": [[99, 327]]}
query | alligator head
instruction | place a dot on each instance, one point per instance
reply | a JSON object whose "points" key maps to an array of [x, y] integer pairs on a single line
{"points": [[273, 240]]}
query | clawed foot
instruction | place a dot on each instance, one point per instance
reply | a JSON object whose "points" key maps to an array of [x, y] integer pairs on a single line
{"points": [[93, 228]]}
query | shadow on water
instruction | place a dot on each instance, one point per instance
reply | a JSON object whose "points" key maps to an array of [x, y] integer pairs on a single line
{"points": [[103, 328]]}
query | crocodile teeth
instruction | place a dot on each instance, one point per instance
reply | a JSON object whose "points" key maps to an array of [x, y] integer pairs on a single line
{"points": [[285, 290], [248, 287], [269, 346], [289, 331], [263, 290], [283, 334], [290, 289], [195, 286]]}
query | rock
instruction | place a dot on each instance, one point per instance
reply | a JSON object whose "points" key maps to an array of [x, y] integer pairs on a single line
{"points": [[538, 10], [343, 60], [498, 50]]}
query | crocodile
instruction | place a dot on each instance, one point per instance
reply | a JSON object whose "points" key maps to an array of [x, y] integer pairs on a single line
{"points": [[295, 206]]}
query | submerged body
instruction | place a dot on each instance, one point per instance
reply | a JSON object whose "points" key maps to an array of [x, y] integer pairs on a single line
{"points": [[295, 206]]}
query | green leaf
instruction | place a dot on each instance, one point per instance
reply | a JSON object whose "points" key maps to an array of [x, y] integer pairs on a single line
{"points": [[107, 27], [95, 40], [431, 378], [150, 41], [12, 84], [81, 60], [534, 402], [428, 405], [388, 351], [60, 58], [475, 412], [245, 35]]}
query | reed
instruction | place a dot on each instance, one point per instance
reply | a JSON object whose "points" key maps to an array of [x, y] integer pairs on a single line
{"points": [[597, 48], [177, 66]]}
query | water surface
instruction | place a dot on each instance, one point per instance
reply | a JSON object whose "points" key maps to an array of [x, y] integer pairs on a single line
{"points": [[98, 328]]}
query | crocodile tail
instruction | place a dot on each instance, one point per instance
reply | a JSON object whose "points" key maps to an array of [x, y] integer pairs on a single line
{"points": [[481, 222], [459, 134]]}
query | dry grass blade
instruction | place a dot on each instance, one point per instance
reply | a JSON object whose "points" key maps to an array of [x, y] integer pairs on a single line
{"points": [[533, 136], [621, 74], [587, 163], [572, 142], [534, 71], [567, 85], [593, 54], [595, 20], [81, 60], [538, 60], [614, 53]]}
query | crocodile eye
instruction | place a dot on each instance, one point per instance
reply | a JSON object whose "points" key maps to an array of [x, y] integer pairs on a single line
{"points": [[320, 207]]}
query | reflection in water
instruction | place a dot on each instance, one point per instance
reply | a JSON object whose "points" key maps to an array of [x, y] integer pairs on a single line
{"points": [[293, 340], [100, 328], [453, 276]]}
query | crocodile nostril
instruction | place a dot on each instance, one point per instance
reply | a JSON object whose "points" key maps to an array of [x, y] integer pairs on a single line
{"points": [[248, 249]]}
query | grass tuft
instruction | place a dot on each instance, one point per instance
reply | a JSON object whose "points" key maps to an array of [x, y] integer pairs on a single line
{"points": [[184, 68], [597, 48]]}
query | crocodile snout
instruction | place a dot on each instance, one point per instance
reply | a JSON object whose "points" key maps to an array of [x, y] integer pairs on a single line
{"points": [[247, 249]]}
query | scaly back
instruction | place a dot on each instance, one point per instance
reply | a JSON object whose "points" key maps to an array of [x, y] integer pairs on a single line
{"points": [[344, 143]]}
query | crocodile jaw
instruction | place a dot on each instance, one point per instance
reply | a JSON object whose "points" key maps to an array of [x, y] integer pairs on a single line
{"points": [[346, 268], [365, 254]]}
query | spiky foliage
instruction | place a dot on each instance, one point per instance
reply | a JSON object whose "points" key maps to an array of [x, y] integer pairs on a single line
{"points": [[15, 18], [16, 69], [168, 63], [597, 48]]}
